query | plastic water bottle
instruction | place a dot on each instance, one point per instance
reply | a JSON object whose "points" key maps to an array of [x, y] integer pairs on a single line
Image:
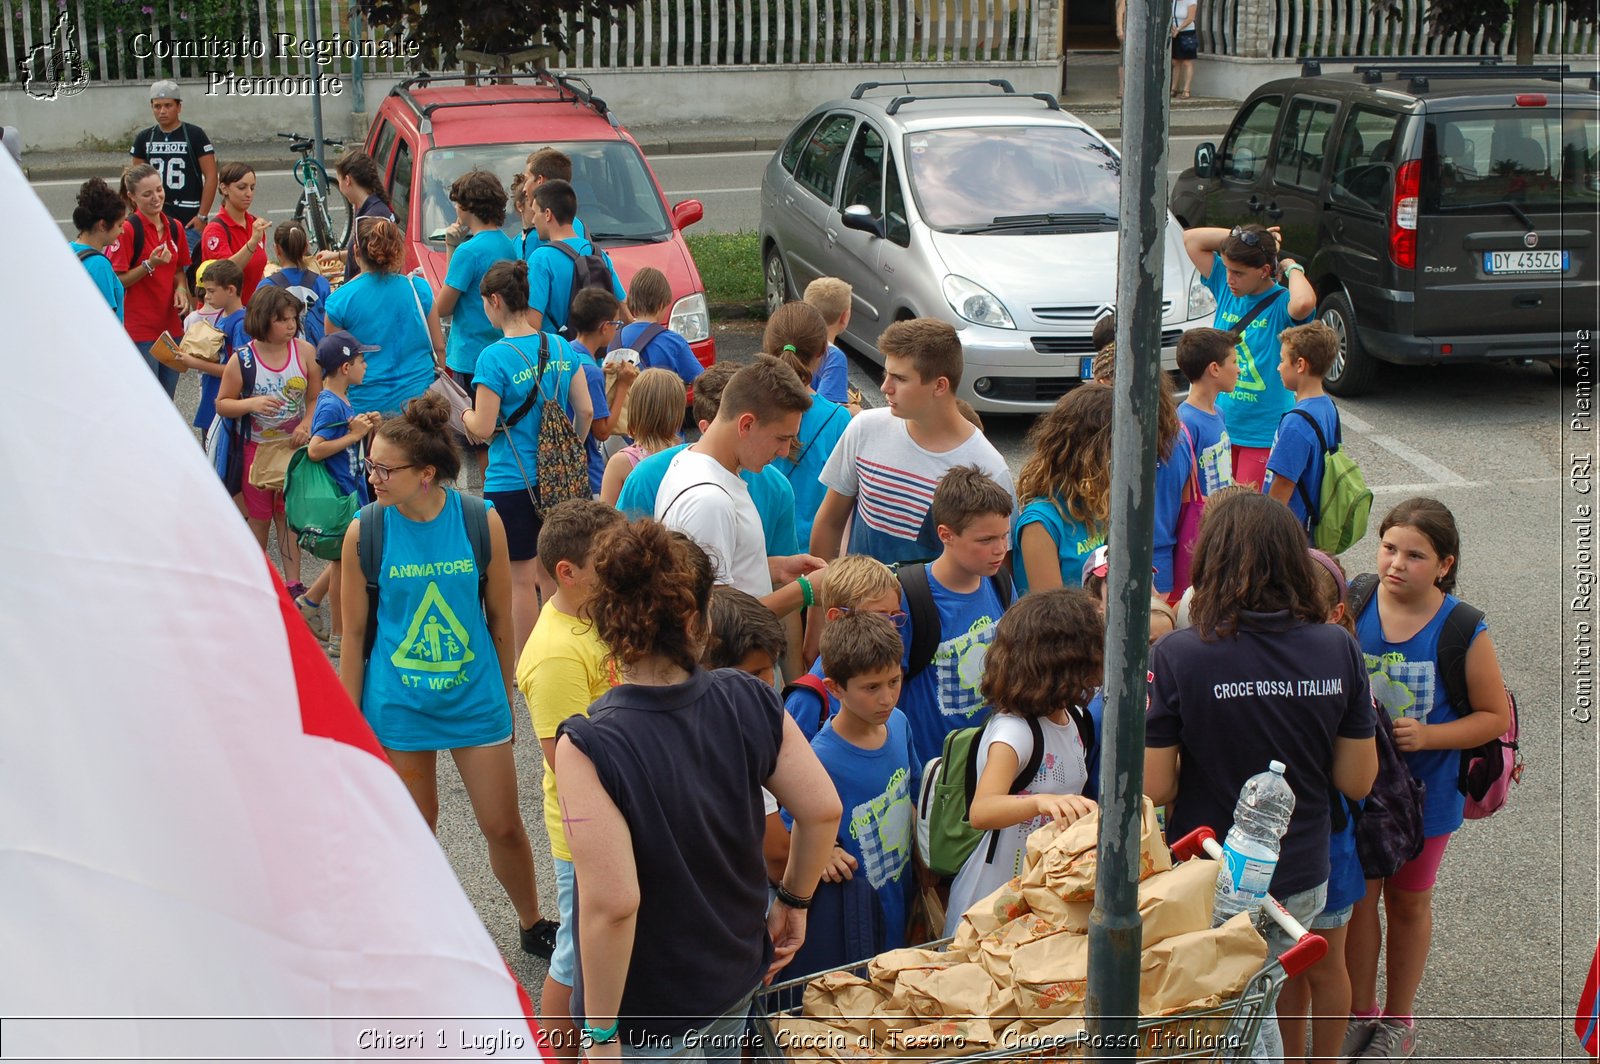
{"points": [[1250, 852]]}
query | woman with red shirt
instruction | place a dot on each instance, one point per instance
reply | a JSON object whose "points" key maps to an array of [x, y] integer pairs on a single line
{"points": [[235, 233], [157, 290]]}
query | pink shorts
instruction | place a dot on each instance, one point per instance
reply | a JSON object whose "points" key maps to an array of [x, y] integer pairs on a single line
{"points": [[1250, 465], [1419, 874], [259, 505]]}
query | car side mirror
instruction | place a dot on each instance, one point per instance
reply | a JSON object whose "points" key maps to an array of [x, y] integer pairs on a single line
{"points": [[1205, 157], [859, 217], [688, 212]]}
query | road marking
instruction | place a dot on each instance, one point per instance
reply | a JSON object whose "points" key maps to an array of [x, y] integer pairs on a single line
{"points": [[1443, 474], [76, 181], [1455, 485], [662, 160], [709, 191]]}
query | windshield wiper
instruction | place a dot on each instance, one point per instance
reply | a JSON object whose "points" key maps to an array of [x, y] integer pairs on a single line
{"points": [[1007, 222], [1521, 214], [651, 238]]}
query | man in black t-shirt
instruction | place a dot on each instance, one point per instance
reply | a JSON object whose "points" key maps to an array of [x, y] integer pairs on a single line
{"points": [[183, 154]]}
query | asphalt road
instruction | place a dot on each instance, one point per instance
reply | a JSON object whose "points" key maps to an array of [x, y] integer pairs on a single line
{"points": [[726, 182]]}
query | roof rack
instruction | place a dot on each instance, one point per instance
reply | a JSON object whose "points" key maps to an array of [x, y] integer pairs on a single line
{"points": [[1311, 65], [1419, 76], [569, 89], [867, 86], [900, 101]]}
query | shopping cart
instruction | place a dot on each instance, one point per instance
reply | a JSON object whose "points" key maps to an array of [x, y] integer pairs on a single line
{"points": [[1226, 1032]]}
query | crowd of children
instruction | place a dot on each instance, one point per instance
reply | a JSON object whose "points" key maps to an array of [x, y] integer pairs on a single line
{"points": [[878, 566]]}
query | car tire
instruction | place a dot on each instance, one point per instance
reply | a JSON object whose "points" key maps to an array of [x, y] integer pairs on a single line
{"points": [[776, 280], [1353, 371]]}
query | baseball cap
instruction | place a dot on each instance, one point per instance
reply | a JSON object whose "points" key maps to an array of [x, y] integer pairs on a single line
{"points": [[165, 89], [337, 348]]}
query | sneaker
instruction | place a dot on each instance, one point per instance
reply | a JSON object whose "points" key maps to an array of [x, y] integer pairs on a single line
{"points": [[1357, 1033], [540, 939], [333, 645], [312, 615], [1391, 1041]]}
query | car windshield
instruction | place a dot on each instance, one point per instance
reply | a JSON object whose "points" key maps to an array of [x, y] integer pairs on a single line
{"points": [[617, 199], [1533, 158], [976, 179]]}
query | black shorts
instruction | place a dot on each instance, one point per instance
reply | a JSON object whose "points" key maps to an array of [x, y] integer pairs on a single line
{"points": [[1186, 45], [522, 522]]}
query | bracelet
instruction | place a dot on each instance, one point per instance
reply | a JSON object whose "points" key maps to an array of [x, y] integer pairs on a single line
{"points": [[599, 1036], [1294, 266], [807, 592], [793, 901], [147, 267]]}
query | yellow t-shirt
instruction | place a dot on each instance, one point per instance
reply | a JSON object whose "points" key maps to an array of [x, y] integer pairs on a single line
{"points": [[563, 669]]}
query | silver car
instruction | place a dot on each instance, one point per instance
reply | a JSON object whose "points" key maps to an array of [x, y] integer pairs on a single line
{"points": [[993, 210]]}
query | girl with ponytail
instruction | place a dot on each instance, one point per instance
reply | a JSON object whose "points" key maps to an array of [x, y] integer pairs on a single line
{"points": [[386, 309]]}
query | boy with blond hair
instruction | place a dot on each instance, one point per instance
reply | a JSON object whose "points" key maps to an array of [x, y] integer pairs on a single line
{"points": [[854, 583], [1310, 428], [831, 298]]}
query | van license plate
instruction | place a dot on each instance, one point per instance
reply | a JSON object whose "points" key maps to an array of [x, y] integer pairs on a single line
{"points": [[1505, 263], [1086, 368]]}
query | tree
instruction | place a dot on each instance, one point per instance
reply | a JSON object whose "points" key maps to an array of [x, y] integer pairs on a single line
{"points": [[1446, 17], [494, 27]]}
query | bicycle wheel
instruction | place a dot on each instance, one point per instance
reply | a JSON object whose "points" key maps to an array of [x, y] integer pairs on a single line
{"points": [[317, 216], [341, 221]]}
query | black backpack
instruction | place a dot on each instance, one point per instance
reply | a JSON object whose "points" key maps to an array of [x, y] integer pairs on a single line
{"points": [[926, 631], [369, 549], [174, 233], [85, 254], [588, 271]]}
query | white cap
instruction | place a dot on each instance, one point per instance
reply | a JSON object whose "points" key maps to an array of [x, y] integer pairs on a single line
{"points": [[1276, 766], [165, 89]]}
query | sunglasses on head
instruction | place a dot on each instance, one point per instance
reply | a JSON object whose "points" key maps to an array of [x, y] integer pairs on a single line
{"points": [[1249, 236]]}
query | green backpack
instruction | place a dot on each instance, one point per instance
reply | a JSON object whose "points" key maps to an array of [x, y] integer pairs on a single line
{"points": [[317, 509], [1339, 519]]}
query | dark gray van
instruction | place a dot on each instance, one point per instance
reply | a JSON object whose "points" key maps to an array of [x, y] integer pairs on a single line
{"points": [[1445, 211]]}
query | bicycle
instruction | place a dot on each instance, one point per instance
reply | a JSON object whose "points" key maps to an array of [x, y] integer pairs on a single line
{"points": [[313, 209]]}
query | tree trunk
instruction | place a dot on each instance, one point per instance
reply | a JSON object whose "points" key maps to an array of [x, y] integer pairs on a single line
{"points": [[1522, 30]]}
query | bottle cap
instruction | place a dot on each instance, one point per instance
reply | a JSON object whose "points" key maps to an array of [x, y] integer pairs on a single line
{"points": [[1276, 766]]}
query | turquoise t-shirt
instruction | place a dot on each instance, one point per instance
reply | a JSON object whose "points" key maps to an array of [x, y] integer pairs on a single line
{"points": [[1252, 410], [470, 331], [769, 490], [506, 368], [550, 281], [434, 680], [381, 309], [104, 276], [820, 430], [1074, 540]]}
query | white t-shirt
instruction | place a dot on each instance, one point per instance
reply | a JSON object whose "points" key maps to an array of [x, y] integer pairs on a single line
{"points": [[1181, 10], [712, 506], [1063, 770], [892, 479]]}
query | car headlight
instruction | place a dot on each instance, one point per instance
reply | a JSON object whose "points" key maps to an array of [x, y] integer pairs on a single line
{"points": [[976, 303], [691, 318], [1202, 304]]}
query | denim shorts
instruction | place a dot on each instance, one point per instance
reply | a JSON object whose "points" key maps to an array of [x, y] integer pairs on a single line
{"points": [[563, 967], [724, 1038], [1332, 920]]}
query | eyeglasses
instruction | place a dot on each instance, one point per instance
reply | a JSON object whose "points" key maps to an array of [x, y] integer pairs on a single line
{"points": [[1250, 237], [380, 474], [616, 324], [895, 617]]}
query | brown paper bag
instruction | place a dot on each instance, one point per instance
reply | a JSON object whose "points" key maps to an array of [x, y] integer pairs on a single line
{"points": [[886, 1022], [958, 992], [996, 949], [1059, 1037], [1050, 976], [845, 1001], [1000, 907], [886, 966], [202, 340], [1067, 859], [1185, 971], [802, 1039], [943, 1038], [1178, 901], [270, 467]]}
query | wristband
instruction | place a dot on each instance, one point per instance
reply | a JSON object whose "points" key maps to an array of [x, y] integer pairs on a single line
{"points": [[793, 901], [1292, 267], [599, 1036], [807, 592]]}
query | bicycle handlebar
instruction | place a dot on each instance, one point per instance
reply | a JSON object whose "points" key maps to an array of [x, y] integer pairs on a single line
{"points": [[326, 140]]}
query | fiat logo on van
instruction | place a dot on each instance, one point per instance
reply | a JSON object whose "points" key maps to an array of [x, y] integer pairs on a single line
{"points": [[1530, 240]]}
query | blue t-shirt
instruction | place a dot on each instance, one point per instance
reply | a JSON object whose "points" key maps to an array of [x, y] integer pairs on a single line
{"points": [[470, 330], [1074, 540], [832, 379], [820, 430], [945, 696], [1211, 446], [879, 821], [104, 276], [769, 490], [312, 290], [667, 350], [1091, 758], [1405, 680], [805, 706], [597, 395], [380, 309], [1347, 883], [550, 281], [1171, 476], [233, 337], [1297, 456], [531, 239], [433, 682], [506, 368], [1253, 408], [331, 420]]}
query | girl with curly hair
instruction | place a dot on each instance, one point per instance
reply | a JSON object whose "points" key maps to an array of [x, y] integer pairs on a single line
{"points": [[1042, 669], [1064, 491]]}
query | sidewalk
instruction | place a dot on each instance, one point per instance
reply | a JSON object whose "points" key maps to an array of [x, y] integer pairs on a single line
{"points": [[1091, 94]]}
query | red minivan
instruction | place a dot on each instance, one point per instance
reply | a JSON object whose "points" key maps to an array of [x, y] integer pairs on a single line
{"points": [[430, 131]]}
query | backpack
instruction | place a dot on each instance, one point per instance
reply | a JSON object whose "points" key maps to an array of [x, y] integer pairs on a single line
{"points": [[313, 322], [1339, 519], [1487, 771], [923, 616], [588, 271], [561, 465], [85, 254], [317, 509], [814, 685], [174, 234], [369, 549], [945, 836], [1389, 826], [226, 439]]}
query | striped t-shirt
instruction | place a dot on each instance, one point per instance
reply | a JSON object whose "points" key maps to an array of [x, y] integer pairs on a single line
{"points": [[892, 480]]}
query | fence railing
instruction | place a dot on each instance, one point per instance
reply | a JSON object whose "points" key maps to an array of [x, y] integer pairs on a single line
{"points": [[1360, 27], [140, 40]]}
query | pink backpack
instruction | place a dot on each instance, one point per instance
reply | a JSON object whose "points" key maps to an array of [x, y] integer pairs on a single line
{"points": [[1487, 771]]}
